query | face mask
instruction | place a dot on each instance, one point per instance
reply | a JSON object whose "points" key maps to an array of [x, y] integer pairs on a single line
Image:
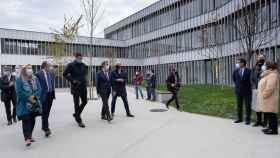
{"points": [[29, 72], [237, 66], [263, 67], [107, 67], [79, 60]]}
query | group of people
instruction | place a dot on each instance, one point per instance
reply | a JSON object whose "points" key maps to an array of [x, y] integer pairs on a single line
{"points": [[31, 95], [258, 88], [173, 85]]}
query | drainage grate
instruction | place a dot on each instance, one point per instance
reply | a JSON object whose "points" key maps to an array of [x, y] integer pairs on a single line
{"points": [[158, 110]]}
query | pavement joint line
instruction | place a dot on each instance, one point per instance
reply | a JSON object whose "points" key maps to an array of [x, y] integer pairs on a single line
{"points": [[143, 138]]}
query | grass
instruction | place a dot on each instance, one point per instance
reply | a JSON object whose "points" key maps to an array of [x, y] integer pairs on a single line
{"points": [[212, 100]]}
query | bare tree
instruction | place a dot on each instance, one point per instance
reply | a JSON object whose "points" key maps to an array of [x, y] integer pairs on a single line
{"points": [[61, 37], [252, 27], [93, 13]]}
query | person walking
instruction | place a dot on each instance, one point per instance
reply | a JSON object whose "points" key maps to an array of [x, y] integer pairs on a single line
{"points": [[8, 94], [173, 85], [28, 105], [118, 81], [151, 85], [46, 80], [268, 96], [242, 80], [76, 74], [138, 81], [255, 78], [103, 88]]}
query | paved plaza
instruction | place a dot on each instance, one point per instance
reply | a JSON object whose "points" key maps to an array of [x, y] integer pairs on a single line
{"points": [[169, 134]]}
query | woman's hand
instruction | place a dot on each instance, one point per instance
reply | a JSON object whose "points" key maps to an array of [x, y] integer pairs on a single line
{"points": [[32, 99]]}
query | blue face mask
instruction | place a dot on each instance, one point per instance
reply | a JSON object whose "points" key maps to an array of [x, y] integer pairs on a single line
{"points": [[79, 61]]}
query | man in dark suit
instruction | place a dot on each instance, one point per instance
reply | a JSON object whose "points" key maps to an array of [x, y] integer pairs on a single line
{"points": [[173, 86], [46, 80], [118, 81], [103, 88], [76, 74], [241, 78], [8, 93], [151, 85]]}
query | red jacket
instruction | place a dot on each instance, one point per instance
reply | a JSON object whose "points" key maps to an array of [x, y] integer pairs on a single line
{"points": [[138, 80]]}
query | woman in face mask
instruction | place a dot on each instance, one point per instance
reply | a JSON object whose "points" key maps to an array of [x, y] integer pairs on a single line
{"points": [[268, 96], [28, 102]]}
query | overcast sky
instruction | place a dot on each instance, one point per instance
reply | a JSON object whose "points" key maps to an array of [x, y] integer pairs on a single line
{"points": [[41, 15]]}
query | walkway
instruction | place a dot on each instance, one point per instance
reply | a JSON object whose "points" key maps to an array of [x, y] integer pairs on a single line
{"points": [[169, 134]]}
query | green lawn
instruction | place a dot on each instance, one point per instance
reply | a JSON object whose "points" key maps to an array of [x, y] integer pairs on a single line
{"points": [[208, 100]]}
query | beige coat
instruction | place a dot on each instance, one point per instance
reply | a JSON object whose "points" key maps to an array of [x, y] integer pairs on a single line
{"points": [[268, 92]]}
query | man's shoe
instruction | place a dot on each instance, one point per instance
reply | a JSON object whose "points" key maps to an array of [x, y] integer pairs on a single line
{"points": [[271, 132], [167, 106], [247, 123], [15, 120], [265, 130], [10, 123], [130, 115], [33, 140], [238, 121], [82, 125], [48, 133], [103, 118]]}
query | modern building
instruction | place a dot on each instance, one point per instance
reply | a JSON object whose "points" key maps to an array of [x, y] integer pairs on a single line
{"points": [[199, 37]]}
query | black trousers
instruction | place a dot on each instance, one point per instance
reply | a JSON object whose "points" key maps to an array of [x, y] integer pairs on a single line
{"points": [[79, 107], [10, 114], [174, 97], [28, 123], [105, 105], [272, 120], [261, 118], [46, 109], [240, 100], [125, 101]]}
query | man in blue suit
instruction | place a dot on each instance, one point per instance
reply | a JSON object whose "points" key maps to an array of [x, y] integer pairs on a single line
{"points": [[46, 79], [103, 87], [241, 78]]}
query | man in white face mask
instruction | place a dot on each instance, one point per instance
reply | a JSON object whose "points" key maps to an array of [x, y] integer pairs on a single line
{"points": [[103, 88], [8, 93], [242, 80]]}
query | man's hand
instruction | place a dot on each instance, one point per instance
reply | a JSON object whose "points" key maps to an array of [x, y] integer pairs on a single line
{"points": [[172, 85], [11, 84], [114, 93]]}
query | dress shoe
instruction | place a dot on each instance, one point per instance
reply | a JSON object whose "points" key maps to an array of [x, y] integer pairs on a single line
{"points": [[257, 124], [271, 132], [238, 121], [265, 130], [33, 140], [247, 123], [48, 133], [103, 118], [130, 115], [10, 123], [167, 106], [82, 125], [15, 120]]}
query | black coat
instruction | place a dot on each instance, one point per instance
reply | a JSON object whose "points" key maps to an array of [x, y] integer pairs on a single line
{"points": [[256, 75], [76, 72], [242, 84], [103, 85], [119, 87], [7, 92], [173, 79]]}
